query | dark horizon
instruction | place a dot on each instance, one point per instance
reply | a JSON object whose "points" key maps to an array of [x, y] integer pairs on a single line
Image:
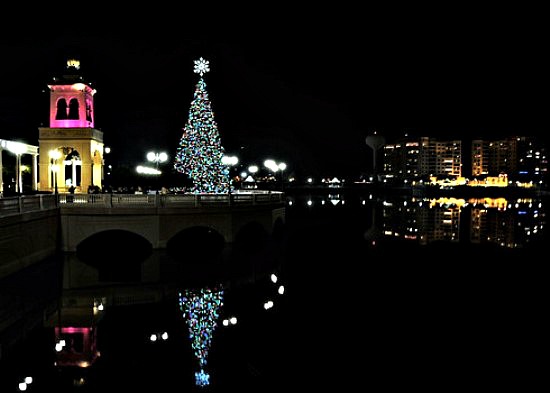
{"points": [[310, 103]]}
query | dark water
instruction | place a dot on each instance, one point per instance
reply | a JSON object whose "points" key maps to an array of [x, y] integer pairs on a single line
{"points": [[379, 293]]}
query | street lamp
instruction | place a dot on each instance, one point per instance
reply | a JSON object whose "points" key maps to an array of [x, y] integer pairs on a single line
{"points": [[157, 157], [253, 169], [274, 167], [230, 161], [54, 156], [282, 167]]}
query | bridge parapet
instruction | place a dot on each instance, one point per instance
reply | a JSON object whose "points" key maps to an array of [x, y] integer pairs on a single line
{"points": [[27, 203], [169, 200], [157, 218]]}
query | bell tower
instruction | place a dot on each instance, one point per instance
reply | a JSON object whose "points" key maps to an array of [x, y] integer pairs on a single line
{"points": [[71, 149]]}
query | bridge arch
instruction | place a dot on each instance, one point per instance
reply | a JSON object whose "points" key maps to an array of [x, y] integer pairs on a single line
{"points": [[114, 244], [196, 243], [117, 254]]}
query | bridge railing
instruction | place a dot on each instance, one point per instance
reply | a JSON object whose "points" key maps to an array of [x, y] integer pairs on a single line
{"points": [[169, 200], [28, 203], [22, 204]]}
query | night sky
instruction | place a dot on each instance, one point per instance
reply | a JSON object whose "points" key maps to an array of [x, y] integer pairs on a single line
{"points": [[308, 98]]}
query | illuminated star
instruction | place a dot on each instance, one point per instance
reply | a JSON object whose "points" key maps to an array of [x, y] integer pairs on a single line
{"points": [[202, 66]]}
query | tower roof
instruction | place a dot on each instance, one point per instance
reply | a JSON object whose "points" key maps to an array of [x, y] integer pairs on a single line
{"points": [[71, 74]]}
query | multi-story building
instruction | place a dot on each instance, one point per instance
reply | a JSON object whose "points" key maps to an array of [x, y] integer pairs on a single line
{"points": [[412, 158], [402, 159], [518, 157]]}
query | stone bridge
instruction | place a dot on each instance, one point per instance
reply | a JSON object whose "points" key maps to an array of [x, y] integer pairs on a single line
{"points": [[36, 226]]}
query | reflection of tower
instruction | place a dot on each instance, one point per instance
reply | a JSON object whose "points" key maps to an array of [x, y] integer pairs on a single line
{"points": [[71, 133], [75, 326], [375, 142]]}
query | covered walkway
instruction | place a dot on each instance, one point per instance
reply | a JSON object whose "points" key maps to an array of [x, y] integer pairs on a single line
{"points": [[18, 149]]}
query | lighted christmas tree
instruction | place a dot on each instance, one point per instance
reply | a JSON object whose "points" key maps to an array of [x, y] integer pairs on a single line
{"points": [[199, 154], [201, 310]]}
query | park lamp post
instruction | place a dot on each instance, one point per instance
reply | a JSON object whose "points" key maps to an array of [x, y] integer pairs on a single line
{"points": [[54, 156], [230, 161], [274, 167], [282, 167], [157, 157]]}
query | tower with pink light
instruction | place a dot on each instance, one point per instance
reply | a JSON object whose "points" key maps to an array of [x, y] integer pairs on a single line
{"points": [[71, 149], [71, 100]]}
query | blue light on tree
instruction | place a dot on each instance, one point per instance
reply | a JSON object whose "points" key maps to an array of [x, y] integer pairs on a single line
{"points": [[200, 309]]}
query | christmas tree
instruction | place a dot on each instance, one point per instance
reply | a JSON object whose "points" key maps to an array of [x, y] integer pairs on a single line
{"points": [[199, 154], [201, 310]]}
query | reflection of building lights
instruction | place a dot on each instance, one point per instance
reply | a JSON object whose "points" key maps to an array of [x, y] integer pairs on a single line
{"points": [[164, 336], [309, 203], [233, 320], [274, 278], [225, 322], [153, 337], [28, 380], [281, 290], [268, 305]]}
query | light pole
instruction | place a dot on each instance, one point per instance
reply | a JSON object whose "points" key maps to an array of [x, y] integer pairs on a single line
{"points": [[157, 157], [282, 167], [274, 167], [230, 161], [54, 156]]}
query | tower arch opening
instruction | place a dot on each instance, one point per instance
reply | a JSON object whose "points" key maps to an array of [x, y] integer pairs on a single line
{"points": [[73, 109], [61, 109]]}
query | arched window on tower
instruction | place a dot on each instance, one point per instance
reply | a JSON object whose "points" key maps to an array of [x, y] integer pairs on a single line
{"points": [[61, 113], [73, 109]]}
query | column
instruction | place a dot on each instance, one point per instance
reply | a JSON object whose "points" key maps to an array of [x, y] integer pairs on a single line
{"points": [[18, 177], [1, 180], [73, 173], [34, 172]]}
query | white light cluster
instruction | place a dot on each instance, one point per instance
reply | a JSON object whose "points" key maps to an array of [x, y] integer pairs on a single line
{"points": [[144, 170]]}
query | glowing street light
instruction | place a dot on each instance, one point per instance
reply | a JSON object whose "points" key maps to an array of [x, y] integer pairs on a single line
{"points": [[274, 167], [230, 160], [157, 157]]}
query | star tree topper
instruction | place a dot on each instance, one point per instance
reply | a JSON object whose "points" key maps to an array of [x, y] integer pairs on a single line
{"points": [[201, 66]]}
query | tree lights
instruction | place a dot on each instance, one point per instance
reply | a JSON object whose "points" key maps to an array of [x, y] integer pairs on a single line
{"points": [[199, 154], [201, 311]]}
